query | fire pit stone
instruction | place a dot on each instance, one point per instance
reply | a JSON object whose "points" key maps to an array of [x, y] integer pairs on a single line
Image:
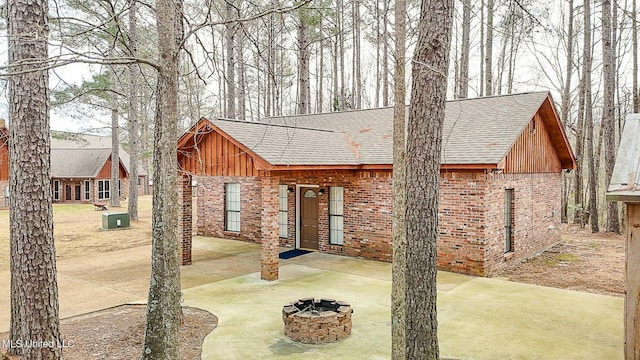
{"points": [[312, 321]]}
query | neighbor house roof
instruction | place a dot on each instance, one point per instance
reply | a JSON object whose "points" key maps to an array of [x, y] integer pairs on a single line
{"points": [[625, 180], [77, 155], [475, 131], [78, 163]]}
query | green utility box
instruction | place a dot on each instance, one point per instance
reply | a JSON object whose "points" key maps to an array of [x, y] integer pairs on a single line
{"points": [[115, 220]]}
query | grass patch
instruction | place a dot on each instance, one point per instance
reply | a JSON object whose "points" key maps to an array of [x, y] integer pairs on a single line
{"points": [[566, 257]]}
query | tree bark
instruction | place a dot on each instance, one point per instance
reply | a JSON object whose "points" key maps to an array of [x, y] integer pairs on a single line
{"points": [[161, 339], [463, 84], [230, 29], [608, 112], [303, 63], [488, 56], [114, 182], [399, 241], [385, 54], [424, 140], [588, 120], [134, 137], [566, 104], [34, 289], [357, 73]]}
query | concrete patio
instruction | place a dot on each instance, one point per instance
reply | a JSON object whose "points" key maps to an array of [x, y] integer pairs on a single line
{"points": [[479, 318]]}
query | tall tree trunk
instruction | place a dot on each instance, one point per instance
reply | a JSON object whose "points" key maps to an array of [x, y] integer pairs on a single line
{"points": [[114, 183], [34, 289], [385, 55], [463, 84], [482, 49], [357, 73], [241, 87], [378, 42], [320, 97], [566, 104], [608, 111], [488, 56], [161, 339], [424, 139], [588, 120], [399, 241], [134, 137], [230, 29], [303, 62]]}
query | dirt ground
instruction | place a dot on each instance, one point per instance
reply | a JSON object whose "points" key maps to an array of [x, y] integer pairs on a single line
{"points": [[582, 261], [118, 334], [77, 231]]}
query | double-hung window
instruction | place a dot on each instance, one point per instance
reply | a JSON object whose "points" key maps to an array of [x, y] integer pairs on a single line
{"points": [[336, 215], [56, 190], [232, 207], [87, 190], [283, 208], [103, 189]]}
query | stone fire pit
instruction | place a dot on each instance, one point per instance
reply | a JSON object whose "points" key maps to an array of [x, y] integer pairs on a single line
{"points": [[312, 321]]}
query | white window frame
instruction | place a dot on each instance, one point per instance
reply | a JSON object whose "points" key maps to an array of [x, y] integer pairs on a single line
{"points": [[87, 190], [104, 190], [56, 190], [336, 215], [283, 211], [232, 207]]}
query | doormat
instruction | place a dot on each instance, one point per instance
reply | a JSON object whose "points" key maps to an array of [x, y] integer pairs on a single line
{"points": [[293, 253]]}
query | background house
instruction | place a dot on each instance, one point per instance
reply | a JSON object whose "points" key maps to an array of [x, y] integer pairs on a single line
{"points": [[324, 181], [80, 168]]}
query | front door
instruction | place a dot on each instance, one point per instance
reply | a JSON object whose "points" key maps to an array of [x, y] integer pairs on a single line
{"points": [[78, 190], [309, 218]]}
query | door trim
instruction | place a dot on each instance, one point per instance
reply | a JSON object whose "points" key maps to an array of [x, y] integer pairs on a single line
{"points": [[298, 186]]}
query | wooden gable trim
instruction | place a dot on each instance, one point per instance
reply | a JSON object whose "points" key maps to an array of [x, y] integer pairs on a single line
{"points": [[542, 149], [105, 170], [204, 127], [557, 135]]}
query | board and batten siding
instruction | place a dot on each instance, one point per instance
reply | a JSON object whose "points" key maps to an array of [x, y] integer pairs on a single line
{"points": [[532, 152], [214, 155]]}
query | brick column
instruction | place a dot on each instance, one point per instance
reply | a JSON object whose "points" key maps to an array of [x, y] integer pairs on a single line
{"points": [[185, 220], [269, 226]]}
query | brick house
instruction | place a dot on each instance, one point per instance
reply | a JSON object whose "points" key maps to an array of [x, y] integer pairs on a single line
{"points": [[80, 168], [324, 182]]}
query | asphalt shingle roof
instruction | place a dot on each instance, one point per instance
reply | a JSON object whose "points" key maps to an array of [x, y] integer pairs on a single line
{"points": [[78, 155], [476, 131]]}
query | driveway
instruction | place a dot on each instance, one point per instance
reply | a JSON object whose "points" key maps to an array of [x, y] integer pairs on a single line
{"points": [[478, 318]]}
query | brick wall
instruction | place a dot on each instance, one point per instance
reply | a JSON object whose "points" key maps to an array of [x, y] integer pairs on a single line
{"points": [[471, 215], [461, 231], [185, 218], [536, 217], [210, 192]]}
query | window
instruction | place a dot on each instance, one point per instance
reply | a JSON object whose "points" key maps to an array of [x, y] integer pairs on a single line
{"points": [[336, 215], [508, 220], [103, 189], [232, 207], [87, 190], [139, 181], [56, 190], [283, 206], [119, 188]]}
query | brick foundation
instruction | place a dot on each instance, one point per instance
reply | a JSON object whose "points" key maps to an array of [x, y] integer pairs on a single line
{"points": [[471, 215]]}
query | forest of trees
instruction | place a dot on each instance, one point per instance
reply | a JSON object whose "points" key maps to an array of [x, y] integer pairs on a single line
{"points": [[150, 69], [253, 60]]}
